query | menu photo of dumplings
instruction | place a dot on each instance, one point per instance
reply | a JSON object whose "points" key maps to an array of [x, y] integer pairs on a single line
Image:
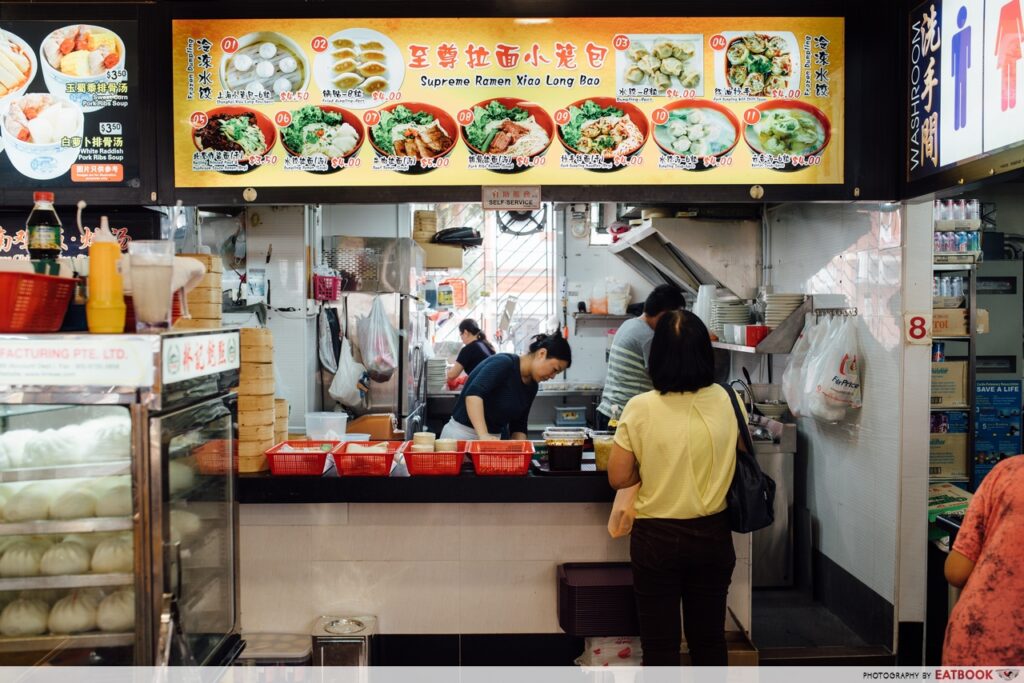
{"points": [[660, 65], [360, 68]]}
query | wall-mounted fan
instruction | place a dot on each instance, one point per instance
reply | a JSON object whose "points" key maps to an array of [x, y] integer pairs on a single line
{"points": [[523, 223]]}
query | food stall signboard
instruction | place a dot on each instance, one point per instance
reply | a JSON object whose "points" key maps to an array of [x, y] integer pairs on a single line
{"points": [[965, 79], [567, 101], [189, 357], [79, 361], [68, 105]]}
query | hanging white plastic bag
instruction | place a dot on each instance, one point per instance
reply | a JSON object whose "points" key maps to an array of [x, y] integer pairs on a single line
{"points": [[838, 387], [343, 387], [618, 296], [793, 377], [378, 343], [818, 343]]}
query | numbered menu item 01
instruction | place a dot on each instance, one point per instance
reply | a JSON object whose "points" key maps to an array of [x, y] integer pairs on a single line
{"points": [[264, 65]]}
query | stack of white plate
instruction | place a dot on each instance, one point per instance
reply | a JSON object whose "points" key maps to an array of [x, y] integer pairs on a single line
{"points": [[731, 311], [778, 307], [437, 377]]}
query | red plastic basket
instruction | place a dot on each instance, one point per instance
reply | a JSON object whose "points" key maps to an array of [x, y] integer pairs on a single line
{"points": [[506, 458], [435, 463], [214, 457], [364, 464], [326, 287], [311, 464], [33, 303]]}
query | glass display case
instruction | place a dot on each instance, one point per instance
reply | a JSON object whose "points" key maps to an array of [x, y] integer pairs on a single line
{"points": [[118, 539]]}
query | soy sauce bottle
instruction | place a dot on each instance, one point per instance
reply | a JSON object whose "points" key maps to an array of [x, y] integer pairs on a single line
{"points": [[43, 228]]}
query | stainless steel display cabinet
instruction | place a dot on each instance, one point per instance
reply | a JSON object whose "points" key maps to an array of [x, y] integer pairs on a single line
{"points": [[118, 489]]}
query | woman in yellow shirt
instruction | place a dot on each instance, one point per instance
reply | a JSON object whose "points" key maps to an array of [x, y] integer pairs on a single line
{"points": [[679, 443]]}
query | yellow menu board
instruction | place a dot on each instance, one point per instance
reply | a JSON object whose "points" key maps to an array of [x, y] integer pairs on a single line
{"points": [[566, 101]]}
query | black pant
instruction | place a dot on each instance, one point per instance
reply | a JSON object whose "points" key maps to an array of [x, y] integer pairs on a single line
{"points": [[689, 560]]}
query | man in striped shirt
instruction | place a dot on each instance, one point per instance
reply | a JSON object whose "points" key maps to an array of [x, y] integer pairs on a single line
{"points": [[627, 360]]}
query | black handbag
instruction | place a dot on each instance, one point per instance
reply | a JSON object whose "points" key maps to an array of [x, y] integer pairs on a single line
{"points": [[751, 497]]}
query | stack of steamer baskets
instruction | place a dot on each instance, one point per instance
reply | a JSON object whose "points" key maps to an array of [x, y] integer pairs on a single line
{"points": [[205, 301], [257, 426], [424, 226], [280, 420]]}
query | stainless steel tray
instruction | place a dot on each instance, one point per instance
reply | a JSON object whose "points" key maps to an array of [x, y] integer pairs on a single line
{"points": [[66, 642], [66, 526], [103, 469], [22, 583]]}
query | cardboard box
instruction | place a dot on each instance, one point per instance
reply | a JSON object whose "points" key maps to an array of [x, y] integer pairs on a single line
{"points": [[948, 446], [949, 384], [946, 498], [441, 256], [952, 322]]}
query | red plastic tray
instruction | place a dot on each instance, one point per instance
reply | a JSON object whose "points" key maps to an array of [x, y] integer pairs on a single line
{"points": [[501, 458], [364, 464], [307, 464], [435, 463]]}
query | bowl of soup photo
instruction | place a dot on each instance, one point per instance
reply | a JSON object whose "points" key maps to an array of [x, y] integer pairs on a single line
{"points": [[697, 128], [790, 128]]}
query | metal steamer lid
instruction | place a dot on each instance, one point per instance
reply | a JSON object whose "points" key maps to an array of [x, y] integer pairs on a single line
{"points": [[345, 626]]}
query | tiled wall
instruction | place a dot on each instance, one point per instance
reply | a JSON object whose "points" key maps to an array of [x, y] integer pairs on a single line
{"points": [[853, 477], [426, 568]]}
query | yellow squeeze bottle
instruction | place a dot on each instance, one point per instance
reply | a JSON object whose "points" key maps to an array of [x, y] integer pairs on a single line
{"points": [[105, 309]]}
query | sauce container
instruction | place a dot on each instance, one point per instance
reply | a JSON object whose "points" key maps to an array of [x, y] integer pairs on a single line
{"points": [[565, 448]]}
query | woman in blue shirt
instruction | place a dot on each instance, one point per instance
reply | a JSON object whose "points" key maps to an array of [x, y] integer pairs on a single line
{"points": [[496, 400]]}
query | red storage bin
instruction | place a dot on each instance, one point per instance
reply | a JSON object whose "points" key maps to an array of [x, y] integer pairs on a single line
{"points": [[283, 463], [435, 463], [364, 464], [501, 458], [326, 287], [33, 303]]}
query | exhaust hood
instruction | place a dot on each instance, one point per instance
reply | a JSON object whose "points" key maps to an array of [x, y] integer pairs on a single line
{"points": [[689, 253]]}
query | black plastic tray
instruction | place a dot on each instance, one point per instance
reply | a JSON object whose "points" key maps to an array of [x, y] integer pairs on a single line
{"points": [[540, 468]]}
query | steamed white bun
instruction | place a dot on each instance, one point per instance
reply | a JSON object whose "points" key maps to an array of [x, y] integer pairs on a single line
{"points": [[64, 559], [74, 613], [114, 556], [116, 502], [117, 611], [24, 618], [184, 525], [182, 477], [73, 504], [12, 445], [21, 559], [30, 503]]}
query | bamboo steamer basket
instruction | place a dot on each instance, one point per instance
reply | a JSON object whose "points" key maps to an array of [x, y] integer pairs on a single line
{"points": [[250, 403]]}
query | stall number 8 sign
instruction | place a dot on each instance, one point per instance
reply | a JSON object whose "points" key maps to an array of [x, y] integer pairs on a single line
{"points": [[918, 328]]}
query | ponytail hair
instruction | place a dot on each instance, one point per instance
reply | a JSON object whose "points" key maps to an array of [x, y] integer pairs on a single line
{"points": [[555, 345], [469, 325]]}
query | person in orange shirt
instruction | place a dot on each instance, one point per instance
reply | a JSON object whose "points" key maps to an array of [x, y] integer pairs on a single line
{"points": [[986, 627]]}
